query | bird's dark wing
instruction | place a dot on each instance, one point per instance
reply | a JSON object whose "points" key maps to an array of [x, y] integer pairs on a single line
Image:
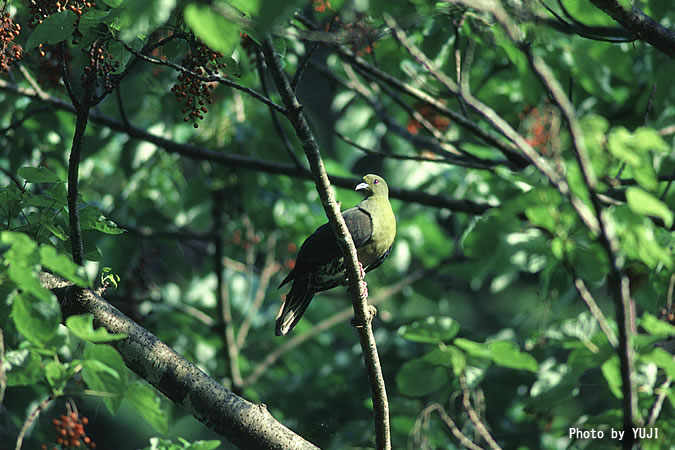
{"points": [[322, 246]]}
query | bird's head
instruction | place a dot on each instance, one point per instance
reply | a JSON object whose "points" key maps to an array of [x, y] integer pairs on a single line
{"points": [[373, 185]]}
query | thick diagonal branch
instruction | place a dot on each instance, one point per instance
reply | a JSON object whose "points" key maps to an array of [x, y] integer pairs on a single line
{"points": [[243, 423]]}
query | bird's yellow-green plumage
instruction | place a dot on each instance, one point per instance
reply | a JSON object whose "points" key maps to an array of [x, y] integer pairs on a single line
{"points": [[320, 266]]}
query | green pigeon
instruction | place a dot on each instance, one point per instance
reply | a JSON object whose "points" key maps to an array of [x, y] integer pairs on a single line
{"points": [[320, 266]]}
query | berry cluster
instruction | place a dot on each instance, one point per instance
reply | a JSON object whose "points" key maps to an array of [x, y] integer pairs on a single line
{"points": [[436, 119], [70, 431], [9, 52], [540, 126], [41, 9], [190, 89], [101, 65]]}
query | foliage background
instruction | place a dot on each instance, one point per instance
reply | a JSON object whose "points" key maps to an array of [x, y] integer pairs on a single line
{"points": [[477, 298]]}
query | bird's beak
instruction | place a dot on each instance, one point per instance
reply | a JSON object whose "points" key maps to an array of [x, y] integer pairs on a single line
{"points": [[361, 186]]}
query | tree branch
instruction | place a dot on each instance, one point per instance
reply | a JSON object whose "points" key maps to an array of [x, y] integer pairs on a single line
{"points": [[362, 311], [243, 423], [234, 160], [328, 323], [618, 281], [223, 294], [640, 24]]}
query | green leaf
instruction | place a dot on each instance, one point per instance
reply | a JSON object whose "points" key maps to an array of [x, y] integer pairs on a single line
{"points": [[634, 149], [38, 175], [92, 219], [57, 192], [612, 373], [92, 19], [431, 330], [644, 203], [22, 367], [476, 349], [82, 326], [417, 378], [662, 359], [212, 28], [56, 376], [148, 405], [656, 327], [104, 370], [23, 249], [62, 265], [507, 354], [114, 3], [447, 356], [37, 320], [53, 29]]}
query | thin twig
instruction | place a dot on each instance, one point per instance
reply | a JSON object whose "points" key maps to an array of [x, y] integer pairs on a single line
{"points": [[587, 297], [32, 418], [499, 124], [3, 375], [302, 65], [473, 416], [619, 282], [363, 314], [269, 269], [246, 162], [658, 404], [82, 108], [339, 317], [209, 79], [447, 420], [275, 120], [223, 294]]}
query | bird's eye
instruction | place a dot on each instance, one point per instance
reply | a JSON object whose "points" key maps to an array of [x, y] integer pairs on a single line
{"points": [[376, 181]]}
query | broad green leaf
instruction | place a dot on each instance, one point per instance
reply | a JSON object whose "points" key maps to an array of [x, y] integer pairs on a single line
{"points": [[148, 405], [57, 192], [644, 203], [23, 249], [38, 175], [22, 367], [476, 349], [447, 356], [417, 378], [104, 371], [92, 219], [634, 149], [56, 375], [92, 19], [507, 354], [53, 29], [212, 28], [431, 330], [656, 327], [47, 221], [64, 266], [273, 13], [114, 3], [612, 373], [36, 320], [82, 326]]}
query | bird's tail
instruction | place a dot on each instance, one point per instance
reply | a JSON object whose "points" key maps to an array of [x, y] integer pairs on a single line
{"points": [[294, 306]]}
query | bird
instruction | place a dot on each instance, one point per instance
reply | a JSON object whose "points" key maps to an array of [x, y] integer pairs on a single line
{"points": [[319, 265]]}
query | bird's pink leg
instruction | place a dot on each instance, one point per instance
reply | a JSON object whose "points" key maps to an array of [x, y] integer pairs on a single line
{"points": [[364, 286]]}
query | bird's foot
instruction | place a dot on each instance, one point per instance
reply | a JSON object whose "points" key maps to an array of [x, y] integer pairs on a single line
{"points": [[364, 288], [363, 272]]}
